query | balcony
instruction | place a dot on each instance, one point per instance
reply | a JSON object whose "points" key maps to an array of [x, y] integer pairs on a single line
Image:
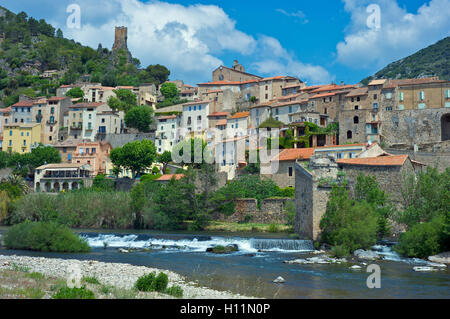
{"points": [[76, 127], [51, 122]]}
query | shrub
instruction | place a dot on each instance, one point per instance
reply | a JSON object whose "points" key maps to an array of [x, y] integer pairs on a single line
{"points": [[347, 223], [44, 236], [273, 228], [74, 293], [91, 280], [287, 192], [145, 282], [175, 291], [422, 240], [339, 251], [160, 282]]}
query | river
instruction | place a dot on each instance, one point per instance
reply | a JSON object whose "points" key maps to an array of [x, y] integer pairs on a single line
{"points": [[251, 271]]}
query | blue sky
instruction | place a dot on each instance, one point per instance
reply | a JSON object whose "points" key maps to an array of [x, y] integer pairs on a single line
{"points": [[318, 41]]}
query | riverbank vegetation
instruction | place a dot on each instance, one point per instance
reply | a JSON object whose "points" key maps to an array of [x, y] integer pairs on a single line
{"points": [[358, 219], [44, 236]]}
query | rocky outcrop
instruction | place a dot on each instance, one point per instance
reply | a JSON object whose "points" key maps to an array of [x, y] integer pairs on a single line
{"points": [[366, 254], [223, 249], [443, 258]]}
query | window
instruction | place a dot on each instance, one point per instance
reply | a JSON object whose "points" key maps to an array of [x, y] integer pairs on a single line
{"points": [[401, 96], [190, 108], [69, 157], [388, 95], [375, 96], [447, 94], [90, 116], [74, 115], [24, 142], [267, 96], [401, 107], [189, 121], [103, 120], [51, 128], [52, 110], [375, 106], [21, 133], [349, 134], [290, 109], [64, 150], [358, 99], [94, 150], [356, 120], [290, 172], [353, 99], [421, 95], [388, 108], [49, 138], [325, 111], [356, 107], [195, 107], [422, 106], [276, 111], [10, 133], [200, 107]]}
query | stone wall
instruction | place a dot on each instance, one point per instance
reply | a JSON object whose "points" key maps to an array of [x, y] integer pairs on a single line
{"points": [[271, 211], [119, 140], [389, 178], [438, 159], [412, 126]]}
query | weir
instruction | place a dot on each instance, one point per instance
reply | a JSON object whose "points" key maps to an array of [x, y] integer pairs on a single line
{"points": [[282, 244]]}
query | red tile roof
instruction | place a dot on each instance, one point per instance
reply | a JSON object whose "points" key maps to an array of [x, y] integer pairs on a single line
{"points": [[394, 160], [24, 103], [221, 122], [217, 114], [55, 98], [395, 83], [5, 110], [333, 87], [169, 117], [322, 95], [168, 177], [293, 154], [196, 103], [240, 115]]}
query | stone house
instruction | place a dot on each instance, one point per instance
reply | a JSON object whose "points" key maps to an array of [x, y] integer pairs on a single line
{"points": [[167, 132], [234, 74], [195, 116], [313, 183], [260, 113], [95, 154], [272, 88], [5, 118], [61, 177], [66, 149], [238, 124]]}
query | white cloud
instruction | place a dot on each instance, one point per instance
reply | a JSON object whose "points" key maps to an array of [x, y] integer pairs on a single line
{"points": [[189, 39], [298, 15], [274, 59], [402, 33]]}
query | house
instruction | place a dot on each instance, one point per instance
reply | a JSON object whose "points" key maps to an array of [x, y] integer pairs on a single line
{"points": [[83, 122], [5, 117], [61, 177], [95, 154], [282, 166], [313, 183], [260, 113], [21, 138], [50, 114], [195, 116], [167, 132], [168, 177], [230, 154], [238, 124], [21, 112], [66, 149]]}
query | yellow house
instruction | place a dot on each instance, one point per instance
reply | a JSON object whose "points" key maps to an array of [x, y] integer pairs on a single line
{"points": [[21, 138]]}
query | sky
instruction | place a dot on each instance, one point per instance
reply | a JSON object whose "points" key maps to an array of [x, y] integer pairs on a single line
{"points": [[318, 41]]}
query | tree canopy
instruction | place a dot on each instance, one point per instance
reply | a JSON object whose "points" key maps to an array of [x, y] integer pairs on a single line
{"points": [[140, 118], [136, 156]]}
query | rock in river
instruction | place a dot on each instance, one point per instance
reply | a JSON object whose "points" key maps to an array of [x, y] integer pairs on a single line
{"points": [[279, 280], [223, 249], [366, 254]]}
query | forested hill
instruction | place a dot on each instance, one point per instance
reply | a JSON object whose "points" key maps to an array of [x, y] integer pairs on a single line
{"points": [[431, 61], [29, 46]]}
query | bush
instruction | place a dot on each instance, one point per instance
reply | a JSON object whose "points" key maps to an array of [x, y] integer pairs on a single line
{"points": [[44, 236], [145, 282], [175, 291], [160, 282], [91, 280], [339, 251], [422, 240], [273, 228], [74, 293], [352, 225]]}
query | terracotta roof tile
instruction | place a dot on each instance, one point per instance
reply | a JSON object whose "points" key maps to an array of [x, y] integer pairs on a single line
{"points": [[217, 114], [221, 122], [240, 115], [395, 160], [293, 154], [168, 177], [23, 103]]}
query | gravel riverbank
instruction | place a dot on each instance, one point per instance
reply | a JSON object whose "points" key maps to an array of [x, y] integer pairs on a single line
{"points": [[114, 274]]}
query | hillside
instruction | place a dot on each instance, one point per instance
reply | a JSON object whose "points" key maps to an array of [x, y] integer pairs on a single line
{"points": [[28, 47], [431, 61]]}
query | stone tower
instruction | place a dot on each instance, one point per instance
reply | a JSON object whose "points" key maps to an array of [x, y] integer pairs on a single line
{"points": [[120, 39]]}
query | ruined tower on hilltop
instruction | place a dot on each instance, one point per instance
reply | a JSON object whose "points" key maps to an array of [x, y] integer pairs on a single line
{"points": [[120, 39]]}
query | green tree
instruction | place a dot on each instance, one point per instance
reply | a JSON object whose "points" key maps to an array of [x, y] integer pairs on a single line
{"points": [[199, 152], [136, 156], [169, 91], [139, 117], [124, 100], [165, 158], [75, 93]]}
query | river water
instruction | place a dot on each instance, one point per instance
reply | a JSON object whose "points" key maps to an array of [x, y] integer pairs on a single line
{"points": [[259, 261]]}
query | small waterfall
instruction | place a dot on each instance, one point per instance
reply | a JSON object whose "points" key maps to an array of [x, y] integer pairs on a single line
{"points": [[282, 244]]}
